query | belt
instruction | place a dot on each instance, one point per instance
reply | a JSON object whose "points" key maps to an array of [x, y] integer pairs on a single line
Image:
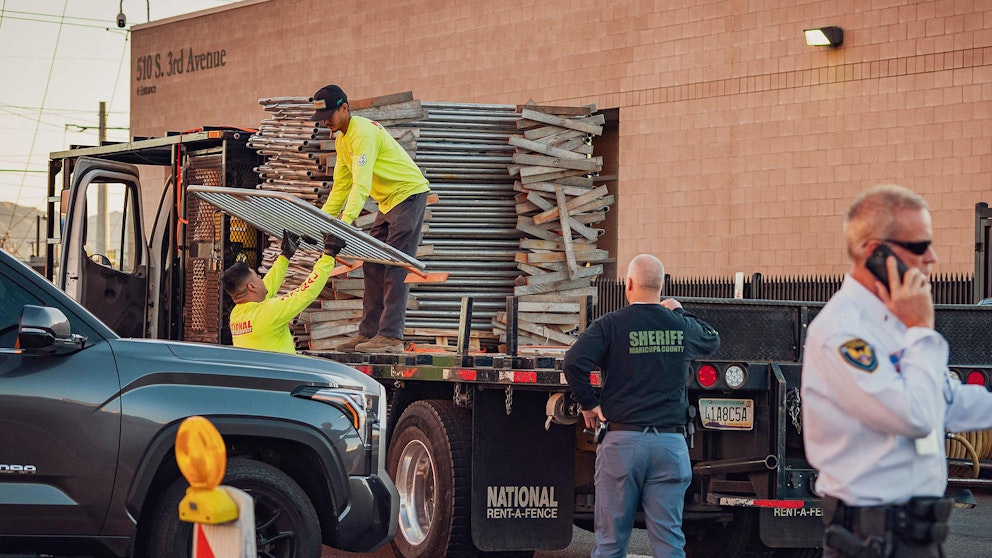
{"points": [[642, 428], [868, 519], [922, 519]]}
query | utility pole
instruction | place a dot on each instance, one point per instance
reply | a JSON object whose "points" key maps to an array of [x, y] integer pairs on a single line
{"points": [[102, 216]]}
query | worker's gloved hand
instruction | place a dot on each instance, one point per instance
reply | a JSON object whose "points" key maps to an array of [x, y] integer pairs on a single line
{"points": [[290, 242], [332, 244]]}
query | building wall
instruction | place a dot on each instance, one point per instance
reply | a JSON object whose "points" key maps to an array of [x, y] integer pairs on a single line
{"points": [[740, 146]]}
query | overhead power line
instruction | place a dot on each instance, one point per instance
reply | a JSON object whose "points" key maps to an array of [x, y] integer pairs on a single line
{"points": [[40, 18], [55, 19], [34, 137], [51, 110]]}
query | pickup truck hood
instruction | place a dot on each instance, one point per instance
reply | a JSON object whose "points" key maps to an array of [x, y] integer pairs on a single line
{"points": [[139, 359]]}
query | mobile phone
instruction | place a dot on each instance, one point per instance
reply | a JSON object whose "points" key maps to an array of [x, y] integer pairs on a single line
{"points": [[876, 264]]}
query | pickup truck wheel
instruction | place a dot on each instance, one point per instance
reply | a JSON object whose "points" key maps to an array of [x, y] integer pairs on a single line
{"points": [[429, 458], [286, 525]]}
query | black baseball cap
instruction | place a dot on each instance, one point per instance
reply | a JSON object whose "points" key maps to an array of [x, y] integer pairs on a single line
{"points": [[327, 100]]}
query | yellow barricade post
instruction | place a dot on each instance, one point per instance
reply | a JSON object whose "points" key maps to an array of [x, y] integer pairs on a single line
{"points": [[223, 517]]}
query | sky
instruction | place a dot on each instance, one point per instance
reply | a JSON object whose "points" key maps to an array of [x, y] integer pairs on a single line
{"points": [[58, 60]]}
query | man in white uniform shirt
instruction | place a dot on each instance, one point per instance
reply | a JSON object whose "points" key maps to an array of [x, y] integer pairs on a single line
{"points": [[876, 391]]}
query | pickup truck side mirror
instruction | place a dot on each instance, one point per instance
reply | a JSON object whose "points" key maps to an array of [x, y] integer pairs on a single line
{"points": [[46, 330]]}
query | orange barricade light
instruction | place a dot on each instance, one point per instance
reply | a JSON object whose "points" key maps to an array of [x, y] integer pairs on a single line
{"points": [[202, 458]]}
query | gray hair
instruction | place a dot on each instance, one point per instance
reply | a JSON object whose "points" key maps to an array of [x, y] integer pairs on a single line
{"points": [[872, 214], [647, 272]]}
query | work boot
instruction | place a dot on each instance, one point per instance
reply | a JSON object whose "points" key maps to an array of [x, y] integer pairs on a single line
{"points": [[349, 346], [381, 344]]}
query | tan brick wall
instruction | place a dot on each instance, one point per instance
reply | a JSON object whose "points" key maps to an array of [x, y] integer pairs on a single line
{"points": [[740, 146]]}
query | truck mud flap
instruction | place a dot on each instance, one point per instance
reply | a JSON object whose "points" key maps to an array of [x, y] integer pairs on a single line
{"points": [[792, 527], [522, 474]]}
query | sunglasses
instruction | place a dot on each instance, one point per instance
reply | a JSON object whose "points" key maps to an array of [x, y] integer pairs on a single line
{"points": [[918, 248]]}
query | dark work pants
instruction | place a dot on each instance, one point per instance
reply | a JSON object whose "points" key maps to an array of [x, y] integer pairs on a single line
{"points": [[384, 304]]}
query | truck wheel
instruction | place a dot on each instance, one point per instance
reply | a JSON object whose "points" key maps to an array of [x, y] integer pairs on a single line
{"points": [[286, 525], [799, 553], [429, 458], [706, 539]]}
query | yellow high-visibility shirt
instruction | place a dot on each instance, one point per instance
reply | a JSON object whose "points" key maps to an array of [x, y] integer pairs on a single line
{"points": [[265, 325], [371, 163]]}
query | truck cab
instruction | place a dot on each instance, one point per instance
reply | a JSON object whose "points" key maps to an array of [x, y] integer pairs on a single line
{"points": [[117, 236]]}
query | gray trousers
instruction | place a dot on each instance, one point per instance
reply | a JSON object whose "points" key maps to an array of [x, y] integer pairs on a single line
{"points": [[644, 468], [384, 303]]}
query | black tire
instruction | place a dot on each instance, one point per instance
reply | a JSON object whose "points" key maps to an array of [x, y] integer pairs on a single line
{"points": [[286, 524], [799, 553], [585, 524], [706, 539], [429, 460]]}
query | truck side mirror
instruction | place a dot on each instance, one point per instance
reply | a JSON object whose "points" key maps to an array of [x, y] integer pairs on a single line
{"points": [[46, 330]]}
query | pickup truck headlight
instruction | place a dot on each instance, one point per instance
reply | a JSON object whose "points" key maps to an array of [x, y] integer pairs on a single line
{"points": [[355, 405], [364, 409]]}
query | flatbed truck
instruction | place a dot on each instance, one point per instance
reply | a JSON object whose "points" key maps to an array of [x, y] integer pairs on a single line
{"points": [[485, 449]]}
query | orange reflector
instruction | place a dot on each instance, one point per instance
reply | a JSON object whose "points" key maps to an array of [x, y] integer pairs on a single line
{"points": [[976, 377], [435, 277], [706, 375], [214, 134], [525, 377], [466, 374]]}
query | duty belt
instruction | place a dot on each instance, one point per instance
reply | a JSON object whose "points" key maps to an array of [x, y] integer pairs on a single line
{"points": [[870, 531], [644, 428]]}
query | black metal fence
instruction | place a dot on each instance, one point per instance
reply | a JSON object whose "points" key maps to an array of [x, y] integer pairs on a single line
{"points": [[947, 289]]}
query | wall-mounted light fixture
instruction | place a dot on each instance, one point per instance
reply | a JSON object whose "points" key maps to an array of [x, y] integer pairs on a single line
{"points": [[824, 36]]}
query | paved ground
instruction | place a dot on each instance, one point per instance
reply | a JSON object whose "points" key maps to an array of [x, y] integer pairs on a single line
{"points": [[971, 537]]}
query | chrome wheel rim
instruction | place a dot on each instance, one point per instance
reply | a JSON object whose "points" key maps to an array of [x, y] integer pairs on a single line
{"points": [[416, 484]]}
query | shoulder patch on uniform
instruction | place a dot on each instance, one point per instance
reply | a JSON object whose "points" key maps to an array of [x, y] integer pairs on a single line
{"points": [[859, 354], [362, 160]]}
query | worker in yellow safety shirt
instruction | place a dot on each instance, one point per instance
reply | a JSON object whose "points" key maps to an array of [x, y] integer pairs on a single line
{"points": [[260, 319], [370, 163]]}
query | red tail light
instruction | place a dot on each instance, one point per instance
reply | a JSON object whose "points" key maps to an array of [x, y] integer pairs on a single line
{"points": [[707, 375], [976, 377]]}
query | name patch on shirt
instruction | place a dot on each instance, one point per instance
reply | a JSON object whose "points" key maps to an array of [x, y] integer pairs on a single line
{"points": [[859, 354], [241, 328], [656, 341]]}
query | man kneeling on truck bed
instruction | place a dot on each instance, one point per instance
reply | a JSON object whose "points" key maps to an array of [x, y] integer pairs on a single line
{"points": [[259, 319]]}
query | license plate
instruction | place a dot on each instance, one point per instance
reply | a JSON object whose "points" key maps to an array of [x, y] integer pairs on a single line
{"points": [[727, 414]]}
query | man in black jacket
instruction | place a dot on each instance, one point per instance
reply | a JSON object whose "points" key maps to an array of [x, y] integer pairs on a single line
{"points": [[643, 351]]}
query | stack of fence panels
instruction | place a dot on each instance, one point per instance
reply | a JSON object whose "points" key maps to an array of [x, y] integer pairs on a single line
{"points": [[496, 233], [557, 207], [299, 159], [463, 151]]}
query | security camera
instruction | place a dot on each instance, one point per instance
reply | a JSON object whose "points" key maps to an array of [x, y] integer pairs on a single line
{"points": [[121, 20]]}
